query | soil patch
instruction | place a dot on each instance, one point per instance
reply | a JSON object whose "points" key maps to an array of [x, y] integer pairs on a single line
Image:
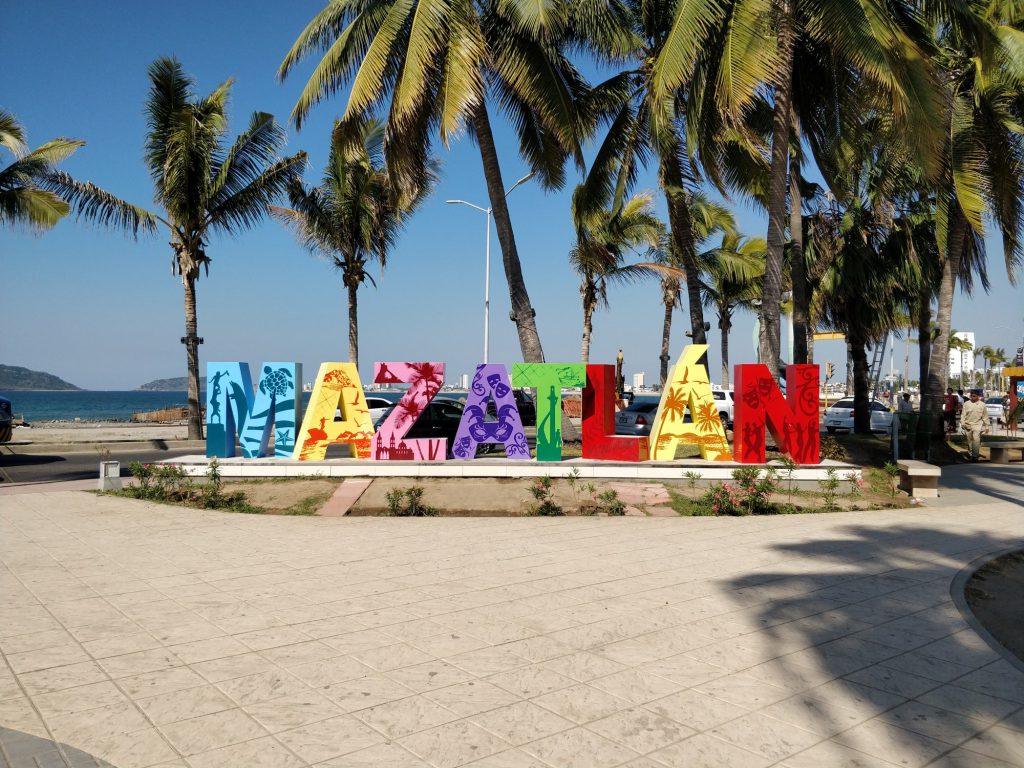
{"points": [[286, 496], [995, 594]]}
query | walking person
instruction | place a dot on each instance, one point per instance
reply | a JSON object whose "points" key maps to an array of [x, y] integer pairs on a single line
{"points": [[974, 421], [949, 408]]}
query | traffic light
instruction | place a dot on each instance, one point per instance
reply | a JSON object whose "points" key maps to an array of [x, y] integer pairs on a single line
{"points": [[829, 371], [1020, 356]]}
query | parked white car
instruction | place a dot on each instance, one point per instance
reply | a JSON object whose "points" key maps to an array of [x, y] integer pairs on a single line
{"points": [[724, 401], [840, 416], [994, 406]]}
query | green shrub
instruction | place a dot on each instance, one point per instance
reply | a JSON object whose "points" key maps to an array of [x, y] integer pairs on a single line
{"points": [[408, 502], [610, 503], [725, 499], [829, 487], [542, 493]]}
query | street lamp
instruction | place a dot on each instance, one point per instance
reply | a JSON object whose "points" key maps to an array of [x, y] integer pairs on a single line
{"points": [[487, 261]]}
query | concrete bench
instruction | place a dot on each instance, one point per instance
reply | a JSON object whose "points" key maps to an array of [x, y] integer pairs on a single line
{"points": [[919, 478], [999, 452]]}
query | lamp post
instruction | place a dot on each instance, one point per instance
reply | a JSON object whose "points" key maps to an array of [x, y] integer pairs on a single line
{"points": [[487, 261]]}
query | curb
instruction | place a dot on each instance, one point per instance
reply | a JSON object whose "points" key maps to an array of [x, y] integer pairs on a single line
{"points": [[158, 444], [958, 592]]}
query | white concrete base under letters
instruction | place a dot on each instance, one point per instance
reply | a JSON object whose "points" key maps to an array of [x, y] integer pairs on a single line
{"points": [[709, 471]]}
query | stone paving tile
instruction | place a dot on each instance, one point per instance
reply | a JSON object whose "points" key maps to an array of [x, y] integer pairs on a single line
{"points": [[798, 641]]}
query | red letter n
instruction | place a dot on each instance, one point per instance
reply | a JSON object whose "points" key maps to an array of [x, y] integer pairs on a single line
{"points": [[792, 419]]}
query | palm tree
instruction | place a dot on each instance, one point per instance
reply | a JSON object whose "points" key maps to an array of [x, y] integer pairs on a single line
{"points": [[434, 66], [643, 126], [354, 216], [23, 201], [599, 254], [982, 158], [985, 352], [956, 343], [707, 219], [815, 58], [731, 280], [202, 186]]}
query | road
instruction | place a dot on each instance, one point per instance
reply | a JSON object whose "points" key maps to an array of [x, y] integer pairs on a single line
{"points": [[83, 465]]}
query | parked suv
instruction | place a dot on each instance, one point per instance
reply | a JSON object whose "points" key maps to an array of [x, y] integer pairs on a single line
{"points": [[6, 420], [725, 403]]}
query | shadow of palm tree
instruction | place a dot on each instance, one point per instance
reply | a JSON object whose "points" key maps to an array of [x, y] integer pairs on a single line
{"points": [[861, 643], [24, 749]]}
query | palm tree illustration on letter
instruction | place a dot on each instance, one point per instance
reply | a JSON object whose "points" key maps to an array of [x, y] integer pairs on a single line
{"points": [[689, 387], [337, 387]]}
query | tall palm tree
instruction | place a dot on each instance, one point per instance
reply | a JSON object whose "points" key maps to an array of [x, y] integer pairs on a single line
{"points": [[354, 216], [643, 127], [814, 58], [707, 219], [23, 199], [435, 66], [982, 172], [731, 280], [603, 240], [202, 184]]}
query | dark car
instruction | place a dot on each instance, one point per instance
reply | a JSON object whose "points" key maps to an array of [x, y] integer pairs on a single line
{"points": [[527, 408], [6, 420], [440, 419]]}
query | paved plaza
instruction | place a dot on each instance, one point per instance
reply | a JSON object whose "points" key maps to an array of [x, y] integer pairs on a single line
{"points": [[134, 634]]}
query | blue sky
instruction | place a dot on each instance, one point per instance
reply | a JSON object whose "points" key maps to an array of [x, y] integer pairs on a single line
{"points": [[104, 312]]}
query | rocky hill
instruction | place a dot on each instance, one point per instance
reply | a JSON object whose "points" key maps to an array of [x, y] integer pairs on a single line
{"points": [[13, 377], [177, 384]]}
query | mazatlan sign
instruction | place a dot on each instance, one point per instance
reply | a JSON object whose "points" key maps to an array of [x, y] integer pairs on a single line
{"points": [[237, 411]]}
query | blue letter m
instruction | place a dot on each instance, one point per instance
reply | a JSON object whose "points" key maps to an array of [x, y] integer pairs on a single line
{"points": [[235, 410]]}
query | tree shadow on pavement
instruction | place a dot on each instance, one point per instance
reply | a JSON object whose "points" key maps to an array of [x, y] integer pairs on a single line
{"points": [[24, 749], [861, 631]]}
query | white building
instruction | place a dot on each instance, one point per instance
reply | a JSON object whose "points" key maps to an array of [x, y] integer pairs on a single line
{"points": [[961, 361], [638, 380], [464, 381]]}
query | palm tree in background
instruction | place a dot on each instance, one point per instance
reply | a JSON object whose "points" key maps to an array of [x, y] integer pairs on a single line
{"points": [[731, 280], [355, 215], [23, 199], [708, 219], [603, 240], [431, 66], [958, 344], [726, 54], [202, 185]]}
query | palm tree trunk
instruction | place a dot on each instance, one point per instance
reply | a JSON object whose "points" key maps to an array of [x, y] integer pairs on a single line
{"points": [[666, 330], [353, 323], [588, 327], [769, 344], [724, 325], [924, 339], [938, 363], [798, 268], [195, 410], [671, 171], [522, 312], [861, 385]]}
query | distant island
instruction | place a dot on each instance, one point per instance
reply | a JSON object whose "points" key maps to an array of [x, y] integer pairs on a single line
{"points": [[15, 378], [177, 384]]}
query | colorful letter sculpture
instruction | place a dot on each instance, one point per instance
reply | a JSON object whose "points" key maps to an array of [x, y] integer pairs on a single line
{"points": [[794, 424], [337, 387], [491, 381], [233, 410], [549, 378], [688, 388], [391, 444], [599, 439]]}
